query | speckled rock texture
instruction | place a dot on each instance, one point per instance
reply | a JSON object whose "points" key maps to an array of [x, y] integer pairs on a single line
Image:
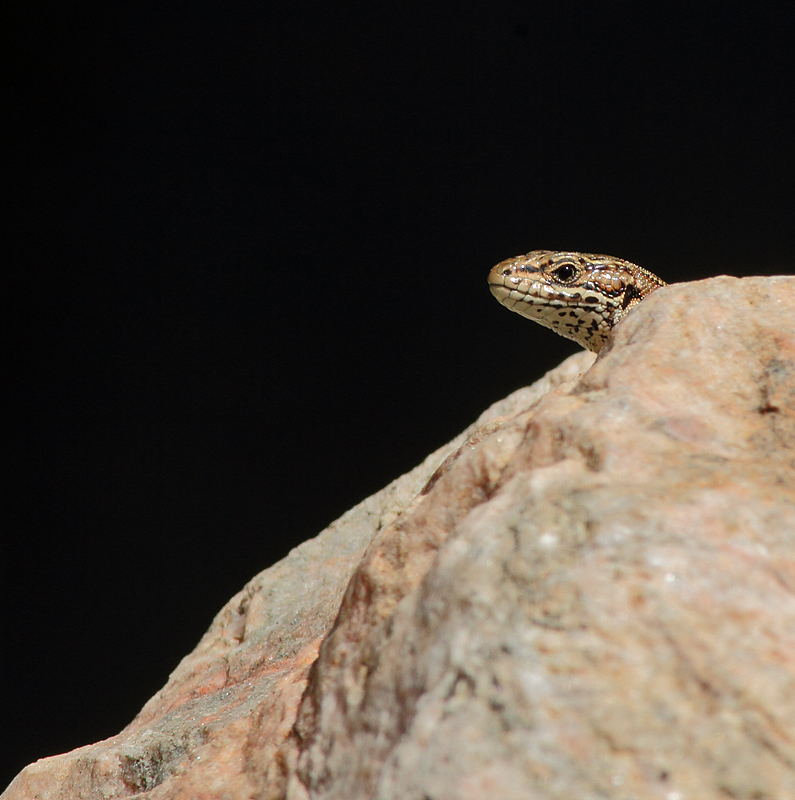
{"points": [[592, 597]]}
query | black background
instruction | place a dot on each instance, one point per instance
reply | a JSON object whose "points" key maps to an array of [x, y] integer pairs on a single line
{"points": [[256, 240]]}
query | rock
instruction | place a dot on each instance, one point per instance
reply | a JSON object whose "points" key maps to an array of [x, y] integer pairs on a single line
{"points": [[598, 600], [594, 596]]}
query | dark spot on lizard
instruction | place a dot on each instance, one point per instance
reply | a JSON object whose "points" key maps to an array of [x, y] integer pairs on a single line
{"points": [[630, 294]]}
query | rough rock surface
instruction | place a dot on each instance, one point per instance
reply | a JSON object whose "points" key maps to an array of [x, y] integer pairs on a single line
{"points": [[593, 597]]}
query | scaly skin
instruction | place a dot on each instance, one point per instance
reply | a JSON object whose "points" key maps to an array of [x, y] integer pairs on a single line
{"points": [[579, 295]]}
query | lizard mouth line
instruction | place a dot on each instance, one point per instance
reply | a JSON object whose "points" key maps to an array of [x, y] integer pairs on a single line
{"points": [[536, 293]]}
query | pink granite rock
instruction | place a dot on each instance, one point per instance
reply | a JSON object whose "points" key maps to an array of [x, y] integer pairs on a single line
{"points": [[594, 597]]}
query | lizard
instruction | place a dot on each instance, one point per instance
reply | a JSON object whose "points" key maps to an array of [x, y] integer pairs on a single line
{"points": [[581, 296]]}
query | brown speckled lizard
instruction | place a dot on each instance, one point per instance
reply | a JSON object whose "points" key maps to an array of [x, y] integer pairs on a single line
{"points": [[579, 295]]}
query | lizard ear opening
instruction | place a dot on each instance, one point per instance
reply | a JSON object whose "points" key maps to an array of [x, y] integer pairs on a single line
{"points": [[630, 293]]}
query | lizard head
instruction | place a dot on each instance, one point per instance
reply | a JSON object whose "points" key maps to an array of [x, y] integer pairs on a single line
{"points": [[579, 295]]}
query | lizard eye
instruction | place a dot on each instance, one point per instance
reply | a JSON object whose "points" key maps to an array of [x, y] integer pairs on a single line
{"points": [[565, 273]]}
